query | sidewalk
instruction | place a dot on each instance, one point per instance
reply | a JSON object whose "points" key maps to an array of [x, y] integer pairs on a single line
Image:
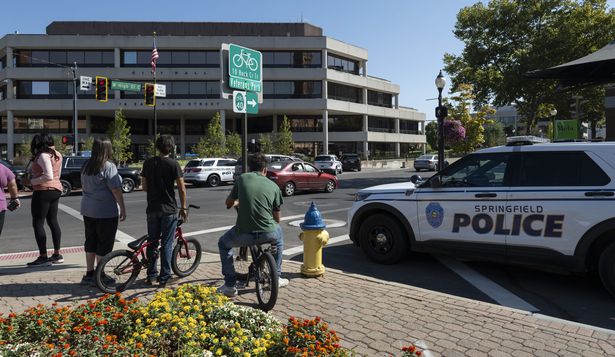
{"points": [[373, 317]]}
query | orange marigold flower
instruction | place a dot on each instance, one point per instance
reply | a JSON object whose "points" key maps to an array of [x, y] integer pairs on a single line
{"points": [[139, 345], [109, 338], [39, 322]]}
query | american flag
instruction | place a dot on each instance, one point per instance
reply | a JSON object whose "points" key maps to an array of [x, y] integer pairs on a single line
{"points": [[154, 58]]}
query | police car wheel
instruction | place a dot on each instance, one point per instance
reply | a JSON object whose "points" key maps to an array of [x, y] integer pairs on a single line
{"points": [[606, 269], [382, 239], [213, 180]]}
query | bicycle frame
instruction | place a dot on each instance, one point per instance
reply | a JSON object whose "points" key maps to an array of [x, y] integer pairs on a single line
{"points": [[142, 250]]}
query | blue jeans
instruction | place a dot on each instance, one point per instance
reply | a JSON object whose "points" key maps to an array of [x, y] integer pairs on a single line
{"points": [[231, 239], [160, 225]]}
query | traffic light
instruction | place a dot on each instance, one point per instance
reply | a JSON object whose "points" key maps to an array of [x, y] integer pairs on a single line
{"points": [[102, 86], [150, 95], [68, 140]]}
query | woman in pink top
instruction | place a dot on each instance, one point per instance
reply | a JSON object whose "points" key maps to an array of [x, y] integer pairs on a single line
{"points": [[45, 169]]}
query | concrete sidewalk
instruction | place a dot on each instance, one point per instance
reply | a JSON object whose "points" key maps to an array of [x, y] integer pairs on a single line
{"points": [[373, 317]]}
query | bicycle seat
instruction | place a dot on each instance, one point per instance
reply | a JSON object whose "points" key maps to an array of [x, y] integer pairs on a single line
{"points": [[137, 243]]}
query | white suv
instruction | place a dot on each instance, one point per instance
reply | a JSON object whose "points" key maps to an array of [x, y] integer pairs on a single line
{"points": [[328, 163], [211, 171], [532, 204]]}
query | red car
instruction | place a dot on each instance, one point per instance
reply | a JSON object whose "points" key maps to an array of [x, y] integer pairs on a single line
{"points": [[293, 176]]}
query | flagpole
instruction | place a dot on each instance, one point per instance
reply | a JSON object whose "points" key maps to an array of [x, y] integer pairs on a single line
{"points": [[155, 112]]}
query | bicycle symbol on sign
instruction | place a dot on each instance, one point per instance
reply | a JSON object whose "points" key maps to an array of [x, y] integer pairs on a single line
{"points": [[245, 58]]}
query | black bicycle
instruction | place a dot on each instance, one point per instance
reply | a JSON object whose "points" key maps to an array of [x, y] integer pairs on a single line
{"points": [[120, 268], [260, 267]]}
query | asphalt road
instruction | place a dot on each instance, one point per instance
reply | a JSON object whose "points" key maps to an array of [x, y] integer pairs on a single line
{"points": [[575, 298]]}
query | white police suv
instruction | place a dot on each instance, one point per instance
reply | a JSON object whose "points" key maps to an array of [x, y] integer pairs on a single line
{"points": [[211, 171], [533, 204]]}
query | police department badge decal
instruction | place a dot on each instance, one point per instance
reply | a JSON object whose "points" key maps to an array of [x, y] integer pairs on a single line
{"points": [[435, 214]]}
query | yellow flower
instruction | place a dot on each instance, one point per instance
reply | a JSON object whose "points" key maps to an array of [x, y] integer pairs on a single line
{"points": [[237, 349], [189, 334], [219, 352]]}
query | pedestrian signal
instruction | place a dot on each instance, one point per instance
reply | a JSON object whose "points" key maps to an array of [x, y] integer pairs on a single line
{"points": [[102, 86], [150, 95]]}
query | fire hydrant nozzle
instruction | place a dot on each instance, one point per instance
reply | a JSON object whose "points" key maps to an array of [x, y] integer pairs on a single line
{"points": [[314, 237]]}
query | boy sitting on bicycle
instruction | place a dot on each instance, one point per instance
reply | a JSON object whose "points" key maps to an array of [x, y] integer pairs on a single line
{"points": [[258, 218]]}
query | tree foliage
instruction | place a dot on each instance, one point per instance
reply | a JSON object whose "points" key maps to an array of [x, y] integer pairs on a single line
{"points": [[212, 144], [494, 134], [506, 38], [454, 132], [266, 143], [431, 133], [119, 134], [60, 146], [472, 122], [284, 143], [233, 145], [88, 142], [151, 146]]}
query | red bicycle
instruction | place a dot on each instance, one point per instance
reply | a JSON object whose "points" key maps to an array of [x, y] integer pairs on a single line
{"points": [[120, 268]]}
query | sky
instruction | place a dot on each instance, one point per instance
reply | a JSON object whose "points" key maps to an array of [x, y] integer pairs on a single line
{"points": [[405, 39]]}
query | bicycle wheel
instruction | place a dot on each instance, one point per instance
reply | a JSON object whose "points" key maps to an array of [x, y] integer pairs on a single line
{"points": [[266, 281], [117, 270], [242, 259], [186, 257]]}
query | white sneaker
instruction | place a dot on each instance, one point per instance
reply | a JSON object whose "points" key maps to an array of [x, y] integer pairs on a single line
{"points": [[229, 291], [283, 282]]}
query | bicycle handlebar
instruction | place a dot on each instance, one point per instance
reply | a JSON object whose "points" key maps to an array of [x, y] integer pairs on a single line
{"points": [[194, 206]]}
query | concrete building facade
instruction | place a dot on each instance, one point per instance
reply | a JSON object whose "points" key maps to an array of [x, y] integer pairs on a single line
{"points": [[321, 84]]}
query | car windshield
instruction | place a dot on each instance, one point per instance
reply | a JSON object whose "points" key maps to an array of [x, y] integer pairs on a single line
{"points": [[323, 158], [427, 157]]}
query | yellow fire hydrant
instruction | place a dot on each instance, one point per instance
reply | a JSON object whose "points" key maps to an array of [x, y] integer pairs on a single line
{"points": [[314, 237]]}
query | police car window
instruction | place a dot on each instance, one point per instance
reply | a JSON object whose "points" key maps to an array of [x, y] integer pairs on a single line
{"points": [[560, 169], [226, 163], [208, 162], [481, 170]]}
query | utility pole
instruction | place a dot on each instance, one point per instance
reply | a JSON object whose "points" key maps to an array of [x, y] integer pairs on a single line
{"points": [[75, 118]]}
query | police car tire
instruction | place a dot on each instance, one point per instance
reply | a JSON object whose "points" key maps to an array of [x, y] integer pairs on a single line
{"points": [[606, 269], [213, 180], [395, 244]]}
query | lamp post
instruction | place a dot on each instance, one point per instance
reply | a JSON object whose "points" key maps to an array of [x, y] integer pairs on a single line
{"points": [[553, 113], [441, 113]]}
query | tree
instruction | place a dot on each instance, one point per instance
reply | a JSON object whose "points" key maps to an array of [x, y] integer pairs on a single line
{"points": [[473, 123], [151, 146], [266, 143], [233, 145], [212, 144], [494, 134], [284, 143], [454, 132], [119, 134], [87, 144], [431, 133], [60, 146], [505, 39]]}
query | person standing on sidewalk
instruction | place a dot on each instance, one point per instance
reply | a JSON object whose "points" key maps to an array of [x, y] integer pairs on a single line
{"points": [[7, 179], [160, 174], [102, 204], [46, 167], [258, 201]]}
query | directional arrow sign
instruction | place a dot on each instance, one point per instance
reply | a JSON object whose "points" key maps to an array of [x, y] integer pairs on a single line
{"points": [[252, 103], [239, 101], [85, 83]]}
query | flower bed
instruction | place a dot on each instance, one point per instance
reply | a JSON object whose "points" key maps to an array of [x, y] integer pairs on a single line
{"points": [[191, 320]]}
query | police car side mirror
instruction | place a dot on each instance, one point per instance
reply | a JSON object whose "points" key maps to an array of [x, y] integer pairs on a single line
{"points": [[435, 181], [415, 178]]}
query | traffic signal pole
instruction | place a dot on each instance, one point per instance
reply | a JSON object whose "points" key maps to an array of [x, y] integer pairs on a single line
{"points": [[76, 141]]}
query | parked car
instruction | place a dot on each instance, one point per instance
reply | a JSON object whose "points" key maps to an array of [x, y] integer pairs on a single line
{"points": [[292, 176], [329, 164], [269, 157], [351, 162], [71, 175], [428, 162], [19, 173], [211, 171]]}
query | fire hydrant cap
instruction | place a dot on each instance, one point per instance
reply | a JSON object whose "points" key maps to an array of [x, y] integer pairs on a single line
{"points": [[312, 219]]}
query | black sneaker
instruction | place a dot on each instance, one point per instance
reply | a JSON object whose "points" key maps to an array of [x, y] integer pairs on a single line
{"points": [[40, 262], [56, 259], [149, 281], [87, 280]]}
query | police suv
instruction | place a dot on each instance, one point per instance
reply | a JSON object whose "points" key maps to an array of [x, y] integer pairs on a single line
{"points": [[211, 171], [533, 204]]}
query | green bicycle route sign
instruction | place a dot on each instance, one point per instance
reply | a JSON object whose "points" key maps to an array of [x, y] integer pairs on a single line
{"points": [[245, 67]]}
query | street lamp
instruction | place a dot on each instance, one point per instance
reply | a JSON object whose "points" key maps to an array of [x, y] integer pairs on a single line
{"points": [[441, 113], [553, 113]]}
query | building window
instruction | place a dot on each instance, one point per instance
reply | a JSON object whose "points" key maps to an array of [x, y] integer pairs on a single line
{"points": [[197, 126], [380, 99], [53, 125], [381, 150], [342, 64], [51, 90], [170, 126], [99, 125], [260, 124], [408, 127], [138, 126], [134, 58], [52, 58], [346, 123], [380, 124], [183, 90], [303, 123], [345, 93], [292, 89], [292, 59], [339, 148]]}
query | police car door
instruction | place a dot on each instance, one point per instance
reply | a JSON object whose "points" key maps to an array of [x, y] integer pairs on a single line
{"points": [[459, 208]]}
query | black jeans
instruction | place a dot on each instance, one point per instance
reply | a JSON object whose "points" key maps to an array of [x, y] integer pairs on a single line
{"points": [[45, 207], [2, 213]]}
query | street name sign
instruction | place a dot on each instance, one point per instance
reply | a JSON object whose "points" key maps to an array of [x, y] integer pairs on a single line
{"points": [[251, 103], [239, 101], [245, 68], [126, 86], [160, 90], [85, 83]]}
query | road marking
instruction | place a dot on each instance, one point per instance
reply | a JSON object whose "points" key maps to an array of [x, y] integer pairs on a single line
{"points": [[299, 249], [226, 228], [487, 286], [119, 235]]}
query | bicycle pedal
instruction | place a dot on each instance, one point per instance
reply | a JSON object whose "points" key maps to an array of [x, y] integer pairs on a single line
{"points": [[242, 284]]}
